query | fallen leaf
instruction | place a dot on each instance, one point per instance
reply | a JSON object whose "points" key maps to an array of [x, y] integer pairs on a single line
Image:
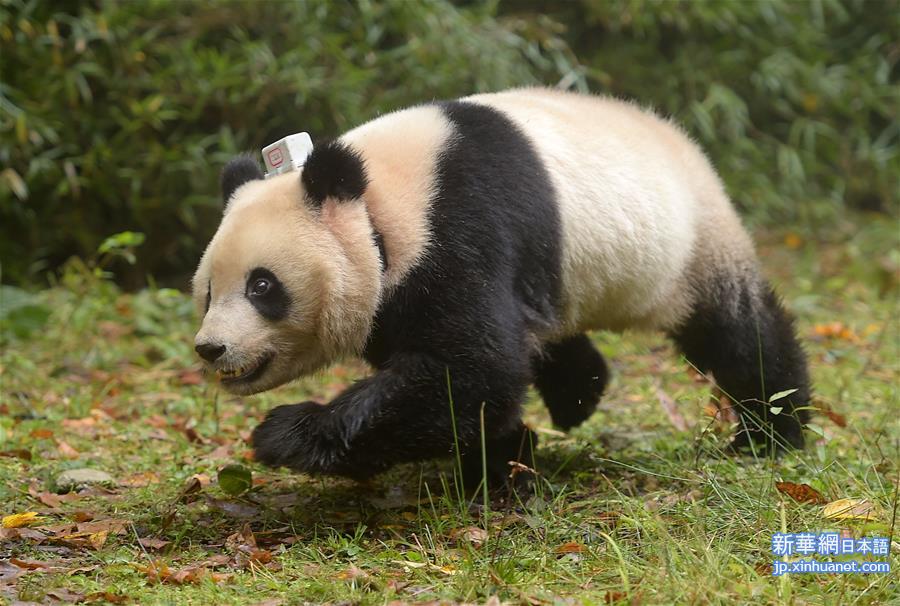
{"points": [[802, 493], [470, 534], [671, 410], [17, 453], [30, 564], [84, 424], [66, 451], [65, 595], [723, 408], [834, 330], [195, 438], [793, 241], [106, 596], [41, 434], [97, 539], [570, 547], [160, 572], [140, 479], [836, 418], [242, 541], [49, 499], [110, 525], [17, 520], [235, 479], [609, 518], [353, 574], [14, 534], [193, 485], [241, 511], [849, 509], [261, 556], [152, 543], [191, 377]]}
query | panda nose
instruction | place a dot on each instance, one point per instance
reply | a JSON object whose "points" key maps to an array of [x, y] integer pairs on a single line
{"points": [[210, 351]]}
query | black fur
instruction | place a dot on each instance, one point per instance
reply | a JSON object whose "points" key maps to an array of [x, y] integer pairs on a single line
{"points": [[237, 171], [747, 341], [570, 376], [333, 170], [274, 304], [461, 317]]}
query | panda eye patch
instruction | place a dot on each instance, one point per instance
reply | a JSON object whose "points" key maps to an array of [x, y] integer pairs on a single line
{"points": [[267, 294]]}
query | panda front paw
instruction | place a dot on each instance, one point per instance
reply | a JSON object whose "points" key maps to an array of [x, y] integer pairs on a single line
{"points": [[299, 436]]}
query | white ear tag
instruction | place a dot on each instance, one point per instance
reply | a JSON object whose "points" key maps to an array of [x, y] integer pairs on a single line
{"points": [[287, 154]]}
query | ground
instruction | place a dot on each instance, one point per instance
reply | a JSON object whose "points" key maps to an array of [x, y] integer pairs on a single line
{"points": [[638, 506]]}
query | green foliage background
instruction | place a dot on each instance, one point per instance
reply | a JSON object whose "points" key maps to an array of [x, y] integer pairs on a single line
{"points": [[118, 115]]}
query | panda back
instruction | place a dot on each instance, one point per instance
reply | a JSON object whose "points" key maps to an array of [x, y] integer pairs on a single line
{"points": [[639, 202]]}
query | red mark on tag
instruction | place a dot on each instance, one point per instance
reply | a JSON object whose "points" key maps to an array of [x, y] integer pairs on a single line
{"points": [[275, 158]]}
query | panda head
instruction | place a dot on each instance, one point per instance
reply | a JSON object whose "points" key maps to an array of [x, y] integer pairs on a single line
{"points": [[292, 278]]}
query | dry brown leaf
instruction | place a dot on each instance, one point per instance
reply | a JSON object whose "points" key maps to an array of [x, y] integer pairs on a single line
{"points": [[802, 493], [836, 418], [66, 451], [470, 534], [792, 240], [152, 543], [65, 595], [82, 516], [30, 564], [609, 518], [242, 541], [17, 534], [195, 438], [191, 377], [570, 547], [106, 596], [834, 330], [671, 410], [353, 574], [193, 485], [721, 407], [110, 525], [160, 572], [16, 453], [83, 424], [97, 539], [140, 479], [261, 556], [50, 499]]}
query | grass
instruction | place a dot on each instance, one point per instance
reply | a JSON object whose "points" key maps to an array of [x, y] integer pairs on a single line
{"points": [[629, 509]]}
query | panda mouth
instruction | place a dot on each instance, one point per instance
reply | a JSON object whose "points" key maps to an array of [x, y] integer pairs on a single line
{"points": [[245, 374]]}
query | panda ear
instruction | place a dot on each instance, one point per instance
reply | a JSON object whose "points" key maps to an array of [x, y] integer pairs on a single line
{"points": [[237, 171], [333, 170]]}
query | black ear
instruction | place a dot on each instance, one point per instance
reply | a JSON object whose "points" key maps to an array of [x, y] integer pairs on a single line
{"points": [[238, 171], [333, 170]]}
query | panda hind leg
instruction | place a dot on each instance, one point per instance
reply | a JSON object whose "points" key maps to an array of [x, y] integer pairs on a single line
{"points": [[743, 335], [570, 375]]}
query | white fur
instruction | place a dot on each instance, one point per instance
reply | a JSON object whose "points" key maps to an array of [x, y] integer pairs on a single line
{"points": [[643, 213], [400, 151]]}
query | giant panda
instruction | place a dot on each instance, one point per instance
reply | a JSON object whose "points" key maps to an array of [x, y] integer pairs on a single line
{"points": [[463, 249]]}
